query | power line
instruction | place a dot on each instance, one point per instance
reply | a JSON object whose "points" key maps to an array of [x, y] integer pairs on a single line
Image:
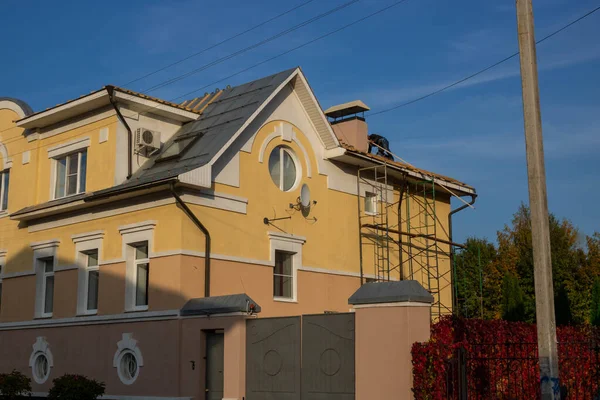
{"points": [[149, 109], [251, 47], [293, 49], [483, 70], [219, 43]]}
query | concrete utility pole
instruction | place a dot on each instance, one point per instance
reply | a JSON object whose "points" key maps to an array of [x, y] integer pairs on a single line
{"points": [[538, 203]]}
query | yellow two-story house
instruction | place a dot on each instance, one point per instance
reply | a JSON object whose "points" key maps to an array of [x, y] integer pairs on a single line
{"points": [[121, 212]]}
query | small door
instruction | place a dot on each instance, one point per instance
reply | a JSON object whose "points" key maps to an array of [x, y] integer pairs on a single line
{"points": [[214, 365]]}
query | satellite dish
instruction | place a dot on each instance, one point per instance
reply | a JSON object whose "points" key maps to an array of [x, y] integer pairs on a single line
{"points": [[305, 196]]}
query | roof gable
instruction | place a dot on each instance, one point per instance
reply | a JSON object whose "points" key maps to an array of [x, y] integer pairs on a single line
{"points": [[222, 120]]}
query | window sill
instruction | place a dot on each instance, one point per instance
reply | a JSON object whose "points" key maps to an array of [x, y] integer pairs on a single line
{"points": [[285, 300], [44, 316], [137, 309], [88, 313], [3, 213], [67, 196], [373, 214]]}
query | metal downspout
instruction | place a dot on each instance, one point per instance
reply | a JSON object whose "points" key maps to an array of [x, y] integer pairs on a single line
{"points": [[111, 98], [200, 226], [452, 266]]}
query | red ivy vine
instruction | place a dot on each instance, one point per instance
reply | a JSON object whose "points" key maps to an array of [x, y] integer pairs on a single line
{"points": [[501, 360]]}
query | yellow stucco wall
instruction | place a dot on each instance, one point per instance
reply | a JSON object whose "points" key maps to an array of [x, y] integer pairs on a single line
{"points": [[331, 230]]}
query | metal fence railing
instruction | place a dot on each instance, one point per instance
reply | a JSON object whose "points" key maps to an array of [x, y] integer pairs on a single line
{"points": [[511, 371]]}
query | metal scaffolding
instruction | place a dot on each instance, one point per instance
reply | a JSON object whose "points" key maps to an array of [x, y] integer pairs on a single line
{"points": [[397, 218]]}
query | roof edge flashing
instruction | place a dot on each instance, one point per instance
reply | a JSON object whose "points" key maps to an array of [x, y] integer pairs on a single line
{"points": [[391, 292]]}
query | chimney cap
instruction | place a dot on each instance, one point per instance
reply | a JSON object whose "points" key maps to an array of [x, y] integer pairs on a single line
{"points": [[350, 108]]}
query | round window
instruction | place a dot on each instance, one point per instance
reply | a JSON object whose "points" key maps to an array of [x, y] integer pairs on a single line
{"points": [[41, 369], [128, 367], [282, 168]]}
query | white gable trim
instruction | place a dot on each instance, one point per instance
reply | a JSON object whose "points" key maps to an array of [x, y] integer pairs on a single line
{"points": [[314, 112], [11, 105], [202, 176]]}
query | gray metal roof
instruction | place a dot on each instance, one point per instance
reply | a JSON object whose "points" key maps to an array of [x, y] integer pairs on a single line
{"points": [[219, 305], [217, 124], [24, 106], [390, 292], [221, 119]]}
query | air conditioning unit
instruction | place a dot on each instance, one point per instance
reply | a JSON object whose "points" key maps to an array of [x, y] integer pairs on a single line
{"points": [[147, 141]]}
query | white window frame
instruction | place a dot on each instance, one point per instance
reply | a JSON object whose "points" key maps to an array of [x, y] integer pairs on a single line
{"points": [[84, 244], [2, 272], [132, 235], [1, 276], [4, 207], [297, 165], [275, 274], [62, 150], [128, 345], [41, 347], [289, 244], [45, 275], [371, 199], [78, 175], [41, 252], [136, 263]]}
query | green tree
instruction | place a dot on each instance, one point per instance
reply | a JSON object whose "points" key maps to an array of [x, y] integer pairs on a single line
{"points": [[595, 307], [472, 266], [515, 255], [513, 305]]}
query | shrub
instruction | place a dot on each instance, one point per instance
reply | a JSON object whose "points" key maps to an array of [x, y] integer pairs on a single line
{"points": [[76, 387], [14, 385]]}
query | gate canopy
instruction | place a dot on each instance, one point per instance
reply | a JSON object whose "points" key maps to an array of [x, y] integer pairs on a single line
{"points": [[220, 305]]}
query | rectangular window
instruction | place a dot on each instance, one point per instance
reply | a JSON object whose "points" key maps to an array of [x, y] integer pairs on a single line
{"points": [[370, 203], [283, 275], [0, 287], [142, 274], [70, 174], [48, 285], [5, 178], [92, 275]]}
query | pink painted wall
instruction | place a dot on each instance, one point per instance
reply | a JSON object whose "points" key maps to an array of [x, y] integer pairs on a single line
{"points": [[384, 337], [167, 348]]}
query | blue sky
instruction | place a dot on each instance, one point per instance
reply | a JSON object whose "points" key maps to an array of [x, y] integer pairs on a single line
{"points": [[57, 51]]}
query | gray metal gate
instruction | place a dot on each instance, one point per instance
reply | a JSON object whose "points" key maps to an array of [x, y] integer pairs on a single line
{"points": [[273, 359], [328, 357], [276, 369]]}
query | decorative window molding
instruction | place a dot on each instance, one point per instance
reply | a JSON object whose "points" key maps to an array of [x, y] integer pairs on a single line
{"points": [[128, 359], [85, 244], [44, 265], [133, 235], [46, 244], [41, 361], [287, 134], [103, 135], [73, 146], [7, 161], [137, 227], [291, 244]]}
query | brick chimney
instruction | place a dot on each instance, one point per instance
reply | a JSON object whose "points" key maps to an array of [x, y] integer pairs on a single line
{"points": [[348, 123]]}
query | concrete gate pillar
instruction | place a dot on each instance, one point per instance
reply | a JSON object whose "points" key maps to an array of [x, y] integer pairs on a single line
{"points": [[390, 317]]}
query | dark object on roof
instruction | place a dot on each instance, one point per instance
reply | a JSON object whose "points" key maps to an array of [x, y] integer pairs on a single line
{"points": [[390, 292], [220, 305], [24, 106]]}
